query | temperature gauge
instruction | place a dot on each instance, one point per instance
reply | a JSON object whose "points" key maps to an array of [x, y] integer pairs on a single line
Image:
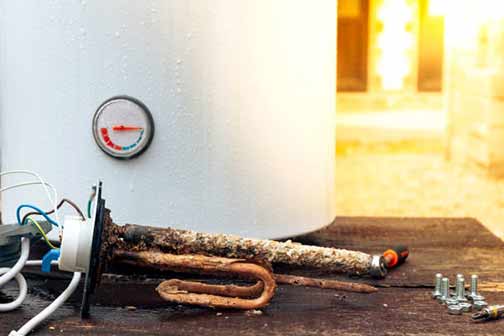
{"points": [[123, 127]]}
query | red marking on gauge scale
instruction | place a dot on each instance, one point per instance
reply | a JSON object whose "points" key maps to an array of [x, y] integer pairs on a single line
{"points": [[108, 141], [106, 138]]}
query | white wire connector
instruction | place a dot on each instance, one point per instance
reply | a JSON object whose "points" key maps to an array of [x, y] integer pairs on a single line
{"points": [[76, 245], [7, 274]]}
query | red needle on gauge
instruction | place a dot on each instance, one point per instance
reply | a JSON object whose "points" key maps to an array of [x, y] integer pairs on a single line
{"points": [[126, 128]]}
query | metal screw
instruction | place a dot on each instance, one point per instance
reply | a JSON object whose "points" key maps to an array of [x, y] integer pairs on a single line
{"points": [[478, 305], [477, 298], [474, 295], [474, 285], [457, 279], [445, 287], [451, 301], [455, 310], [466, 307], [437, 289], [460, 289]]}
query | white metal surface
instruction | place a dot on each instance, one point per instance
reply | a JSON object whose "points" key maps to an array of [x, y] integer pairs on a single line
{"points": [[242, 94]]}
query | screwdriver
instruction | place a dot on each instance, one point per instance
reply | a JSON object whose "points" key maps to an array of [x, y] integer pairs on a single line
{"points": [[395, 256], [489, 313], [391, 258]]}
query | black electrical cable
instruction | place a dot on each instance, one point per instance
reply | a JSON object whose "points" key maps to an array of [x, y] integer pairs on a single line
{"points": [[64, 200]]}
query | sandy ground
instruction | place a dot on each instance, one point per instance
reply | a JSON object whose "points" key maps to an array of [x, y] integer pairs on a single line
{"points": [[387, 181]]}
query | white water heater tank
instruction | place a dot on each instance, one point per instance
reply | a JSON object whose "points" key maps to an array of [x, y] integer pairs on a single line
{"points": [[241, 94]]}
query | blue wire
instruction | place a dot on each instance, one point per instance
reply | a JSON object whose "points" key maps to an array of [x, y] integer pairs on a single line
{"points": [[42, 213]]}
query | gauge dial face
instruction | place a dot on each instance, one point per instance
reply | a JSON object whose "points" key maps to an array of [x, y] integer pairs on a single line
{"points": [[123, 127]]}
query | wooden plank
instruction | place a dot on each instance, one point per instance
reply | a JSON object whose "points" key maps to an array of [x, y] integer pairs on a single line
{"points": [[294, 311], [446, 245]]}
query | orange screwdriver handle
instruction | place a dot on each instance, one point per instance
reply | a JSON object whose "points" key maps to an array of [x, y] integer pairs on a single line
{"points": [[395, 256]]}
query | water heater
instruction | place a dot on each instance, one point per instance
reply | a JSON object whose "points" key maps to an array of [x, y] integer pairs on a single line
{"points": [[217, 116]]}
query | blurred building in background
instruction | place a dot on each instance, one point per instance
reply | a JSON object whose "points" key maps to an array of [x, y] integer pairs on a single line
{"points": [[474, 80], [390, 70], [424, 70], [420, 109], [392, 50]]}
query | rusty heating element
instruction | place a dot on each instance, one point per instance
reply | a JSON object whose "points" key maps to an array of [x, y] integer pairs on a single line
{"points": [[219, 296], [185, 251]]}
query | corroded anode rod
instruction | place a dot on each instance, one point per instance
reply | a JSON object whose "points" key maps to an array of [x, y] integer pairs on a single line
{"points": [[136, 237]]}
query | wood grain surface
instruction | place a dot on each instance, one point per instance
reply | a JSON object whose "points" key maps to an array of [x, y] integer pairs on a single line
{"points": [[128, 305]]}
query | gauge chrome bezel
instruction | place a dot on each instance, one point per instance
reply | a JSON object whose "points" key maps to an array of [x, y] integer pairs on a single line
{"points": [[149, 134]]}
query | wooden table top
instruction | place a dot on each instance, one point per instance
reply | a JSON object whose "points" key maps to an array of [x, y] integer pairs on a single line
{"points": [[129, 305]]}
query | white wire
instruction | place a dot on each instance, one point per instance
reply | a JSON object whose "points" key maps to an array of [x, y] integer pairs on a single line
{"points": [[23, 286], [23, 291], [54, 200], [24, 184], [25, 250], [39, 262], [27, 184], [60, 300], [14, 272]]}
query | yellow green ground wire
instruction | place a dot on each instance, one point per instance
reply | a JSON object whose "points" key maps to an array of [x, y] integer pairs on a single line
{"points": [[37, 225]]}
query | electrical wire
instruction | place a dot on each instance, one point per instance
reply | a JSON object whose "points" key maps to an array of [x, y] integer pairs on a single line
{"points": [[24, 184], [37, 225], [23, 291], [60, 300], [73, 205], [63, 200], [39, 263], [14, 272], [7, 274], [40, 212], [44, 184], [90, 202]]}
